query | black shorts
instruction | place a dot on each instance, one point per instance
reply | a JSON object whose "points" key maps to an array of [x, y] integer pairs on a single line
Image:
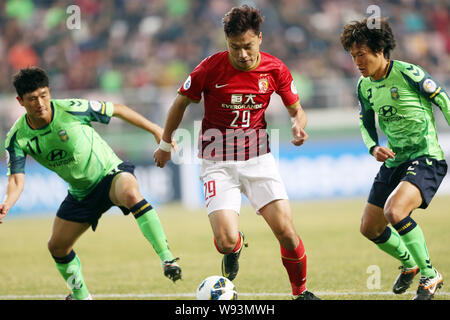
{"points": [[91, 208], [425, 173]]}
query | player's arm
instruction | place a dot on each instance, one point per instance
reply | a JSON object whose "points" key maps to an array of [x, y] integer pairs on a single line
{"points": [[136, 119], [14, 189], [369, 130], [298, 120], [424, 84], [173, 120], [443, 102]]}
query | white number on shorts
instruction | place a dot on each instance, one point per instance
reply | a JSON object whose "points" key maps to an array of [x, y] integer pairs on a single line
{"points": [[245, 118], [210, 189]]}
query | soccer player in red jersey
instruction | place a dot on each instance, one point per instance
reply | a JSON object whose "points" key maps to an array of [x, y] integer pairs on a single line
{"points": [[233, 145]]}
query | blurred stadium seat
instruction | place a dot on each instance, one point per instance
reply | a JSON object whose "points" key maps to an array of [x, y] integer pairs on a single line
{"points": [[139, 52]]}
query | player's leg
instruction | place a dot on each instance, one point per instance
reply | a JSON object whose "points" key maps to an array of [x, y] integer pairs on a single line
{"points": [[262, 184], [124, 192], [402, 201], [223, 202], [225, 228], [405, 198], [64, 235], [228, 240], [374, 227], [278, 216]]}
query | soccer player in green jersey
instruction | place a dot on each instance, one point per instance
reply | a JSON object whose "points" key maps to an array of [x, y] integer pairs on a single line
{"points": [[58, 134], [401, 94]]}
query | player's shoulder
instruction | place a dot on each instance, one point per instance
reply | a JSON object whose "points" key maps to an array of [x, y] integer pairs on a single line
{"points": [[71, 104], [362, 84], [215, 60], [271, 60], [413, 71]]}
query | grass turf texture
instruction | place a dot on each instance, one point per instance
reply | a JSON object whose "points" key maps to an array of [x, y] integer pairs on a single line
{"points": [[118, 263]]}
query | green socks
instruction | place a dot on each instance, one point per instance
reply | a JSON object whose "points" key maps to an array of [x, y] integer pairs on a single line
{"points": [[414, 240], [408, 246], [151, 228], [391, 243], [70, 269]]}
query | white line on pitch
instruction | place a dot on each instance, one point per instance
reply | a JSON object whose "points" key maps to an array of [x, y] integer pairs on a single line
{"points": [[192, 295]]}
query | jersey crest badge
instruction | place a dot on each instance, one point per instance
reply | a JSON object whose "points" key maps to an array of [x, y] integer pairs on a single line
{"points": [[394, 93], [263, 85], [63, 135]]}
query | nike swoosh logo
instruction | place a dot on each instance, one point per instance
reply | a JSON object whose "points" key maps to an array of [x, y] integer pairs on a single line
{"points": [[221, 85]]}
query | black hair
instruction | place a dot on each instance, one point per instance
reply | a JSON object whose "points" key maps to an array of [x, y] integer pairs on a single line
{"points": [[241, 19], [365, 32], [30, 79]]}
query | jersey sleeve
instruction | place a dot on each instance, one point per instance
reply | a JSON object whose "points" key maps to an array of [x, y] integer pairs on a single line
{"points": [[15, 156], [87, 110], [195, 82], [286, 87], [425, 85], [367, 121]]}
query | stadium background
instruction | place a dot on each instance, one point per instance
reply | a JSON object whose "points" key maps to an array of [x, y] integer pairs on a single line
{"points": [[139, 52]]}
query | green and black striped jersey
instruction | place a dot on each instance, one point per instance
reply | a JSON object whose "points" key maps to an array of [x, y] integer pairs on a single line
{"points": [[403, 103], [69, 145]]}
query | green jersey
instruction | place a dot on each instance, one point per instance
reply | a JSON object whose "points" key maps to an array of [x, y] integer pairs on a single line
{"points": [[402, 101], [69, 146]]}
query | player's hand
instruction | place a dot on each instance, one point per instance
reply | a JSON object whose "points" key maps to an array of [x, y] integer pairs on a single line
{"points": [[4, 209], [382, 154], [161, 157], [300, 136]]}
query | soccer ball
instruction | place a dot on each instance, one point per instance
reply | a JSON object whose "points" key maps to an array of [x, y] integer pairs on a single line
{"points": [[216, 288]]}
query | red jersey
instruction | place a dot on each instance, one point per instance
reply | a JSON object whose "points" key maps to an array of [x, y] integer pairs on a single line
{"points": [[233, 125]]}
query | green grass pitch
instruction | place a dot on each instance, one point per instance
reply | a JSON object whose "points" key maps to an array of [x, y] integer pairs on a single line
{"points": [[118, 263]]}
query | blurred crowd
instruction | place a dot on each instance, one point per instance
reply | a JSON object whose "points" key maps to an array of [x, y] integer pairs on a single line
{"points": [[124, 44]]}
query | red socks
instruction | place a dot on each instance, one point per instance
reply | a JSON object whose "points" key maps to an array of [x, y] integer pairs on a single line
{"points": [[295, 263]]}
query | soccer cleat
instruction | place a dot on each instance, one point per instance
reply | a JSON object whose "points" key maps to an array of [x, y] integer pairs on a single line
{"points": [[428, 287], [230, 263], [405, 278], [71, 297], [305, 295], [172, 270]]}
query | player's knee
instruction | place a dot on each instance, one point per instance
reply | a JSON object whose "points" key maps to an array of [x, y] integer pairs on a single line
{"points": [[56, 249], [226, 243], [125, 190], [369, 231], [130, 197], [287, 238], [394, 214]]}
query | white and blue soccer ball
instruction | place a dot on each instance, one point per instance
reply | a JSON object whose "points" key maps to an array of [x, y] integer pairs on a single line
{"points": [[216, 288]]}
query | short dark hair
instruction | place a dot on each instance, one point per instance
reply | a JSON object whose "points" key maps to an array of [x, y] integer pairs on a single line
{"points": [[241, 19], [30, 79], [377, 39]]}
